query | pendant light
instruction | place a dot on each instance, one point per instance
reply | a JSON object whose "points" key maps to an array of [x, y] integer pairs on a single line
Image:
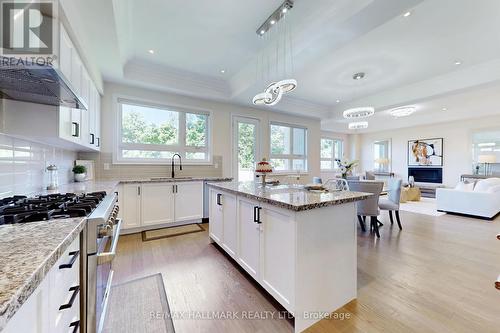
{"points": [[275, 90]]}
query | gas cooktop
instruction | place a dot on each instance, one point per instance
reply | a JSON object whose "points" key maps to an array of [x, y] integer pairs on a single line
{"points": [[21, 209]]}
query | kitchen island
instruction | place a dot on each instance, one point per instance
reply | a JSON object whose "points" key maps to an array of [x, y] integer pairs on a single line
{"points": [[298, 245]]}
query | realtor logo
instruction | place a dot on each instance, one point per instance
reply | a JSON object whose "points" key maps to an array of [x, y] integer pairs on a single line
{"points": [[27, 27]]}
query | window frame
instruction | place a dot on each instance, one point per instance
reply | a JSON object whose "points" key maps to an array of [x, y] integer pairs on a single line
{"points": [[290, 157], [180, 147], [332, 159]]}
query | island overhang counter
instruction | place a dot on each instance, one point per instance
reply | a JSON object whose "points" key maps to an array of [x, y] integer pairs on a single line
{"points": [[298, 245]]}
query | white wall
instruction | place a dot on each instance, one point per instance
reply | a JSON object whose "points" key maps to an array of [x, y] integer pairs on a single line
{"points": [[221, 123], [457, 146]]}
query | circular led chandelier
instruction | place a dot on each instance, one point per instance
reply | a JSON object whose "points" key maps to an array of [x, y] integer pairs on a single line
{"points": [[360, 112], [358, 125], [274, 91], [403, 111]]}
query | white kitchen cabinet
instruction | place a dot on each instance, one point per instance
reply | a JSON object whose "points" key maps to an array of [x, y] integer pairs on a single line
{"points": [[41, 312], [65, 53], [130, 205], [97, 120], [147, 204], [188, 201], [215, 216], [157, 203], [249, 237], [33, 316], [229, 224], [277, 245]]}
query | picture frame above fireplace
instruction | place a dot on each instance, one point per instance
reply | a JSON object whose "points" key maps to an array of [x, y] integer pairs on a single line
{"points": [[425, 152]]}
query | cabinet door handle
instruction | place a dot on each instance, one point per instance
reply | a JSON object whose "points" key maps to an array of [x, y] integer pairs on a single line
{"points": [[218, 199], [258, 215], [75, 290], [75, 129], [255, 213], [173, 188], [98, 142], [74, 255], [176, 188], [138, 190], [92, 138], [75, 325]]}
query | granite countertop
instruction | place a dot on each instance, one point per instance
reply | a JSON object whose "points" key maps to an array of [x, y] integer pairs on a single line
{"points": [[179, 179], [27, 253], [293, 197]]}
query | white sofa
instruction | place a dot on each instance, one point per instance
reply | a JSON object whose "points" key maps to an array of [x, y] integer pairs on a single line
{"points": [[481, 199]]}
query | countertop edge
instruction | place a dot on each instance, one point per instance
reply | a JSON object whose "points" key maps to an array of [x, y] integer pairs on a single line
{"points": [[9, 309], [284, 205]]}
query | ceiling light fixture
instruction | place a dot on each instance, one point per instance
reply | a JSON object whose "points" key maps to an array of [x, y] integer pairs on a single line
{"points": [[337, 101], [274, 91], [358, 76], [222, 71], [151, 51], [444, 109], [358, 125], [487, 144], [275, 17], [407, 14], [402, 111], [458, 63], [360, 112]]}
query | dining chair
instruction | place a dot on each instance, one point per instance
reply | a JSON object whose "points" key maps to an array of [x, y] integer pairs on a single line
{"points": [[369, 175], [368, 207], [338, 184], [391, 203]]}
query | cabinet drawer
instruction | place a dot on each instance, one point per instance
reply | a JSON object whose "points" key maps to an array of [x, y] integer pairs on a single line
{"points": [[64, 318]]}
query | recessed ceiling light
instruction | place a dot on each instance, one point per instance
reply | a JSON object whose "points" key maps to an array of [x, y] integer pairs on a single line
{"points": [[284, 10], [403, 111], [222, 71], [272, 22], [444, 109], [337, 101], [262, 32], [151, 51], [458, 62], [358, 76], [407, 14]]}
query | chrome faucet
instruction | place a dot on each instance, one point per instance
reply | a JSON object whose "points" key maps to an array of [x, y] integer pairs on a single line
{"points": [[180, 164]]}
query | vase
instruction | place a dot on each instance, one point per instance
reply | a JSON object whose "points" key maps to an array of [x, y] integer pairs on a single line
{"points": [[80, 177]]}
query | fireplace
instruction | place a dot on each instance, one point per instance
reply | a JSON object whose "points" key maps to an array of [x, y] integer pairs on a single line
{"points": [[426, 175]]}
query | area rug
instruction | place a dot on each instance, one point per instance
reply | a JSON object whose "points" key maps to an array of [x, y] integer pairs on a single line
{"points": [[139, 306], [150, 235], [426, 206]]}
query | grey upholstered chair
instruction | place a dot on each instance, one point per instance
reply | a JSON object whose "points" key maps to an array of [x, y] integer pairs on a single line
{"points": [[391, 203], [369, 175], [337, 184], [368, 207], [349, 178]]}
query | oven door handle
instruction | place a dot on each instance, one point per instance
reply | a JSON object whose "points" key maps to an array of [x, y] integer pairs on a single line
{"points": [[105, 257]]}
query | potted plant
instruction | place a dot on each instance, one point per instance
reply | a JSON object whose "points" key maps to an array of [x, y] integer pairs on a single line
{"points": [[346, 166], [80, 172]]}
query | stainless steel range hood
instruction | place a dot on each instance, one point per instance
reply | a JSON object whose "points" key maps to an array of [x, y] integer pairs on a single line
{"points": [[29, 82]]}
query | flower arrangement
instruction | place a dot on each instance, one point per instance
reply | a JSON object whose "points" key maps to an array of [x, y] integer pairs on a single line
{"points": [[346, 166]]}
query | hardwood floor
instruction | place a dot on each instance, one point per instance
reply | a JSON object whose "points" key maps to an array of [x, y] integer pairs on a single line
{"points": [[436, 275]]}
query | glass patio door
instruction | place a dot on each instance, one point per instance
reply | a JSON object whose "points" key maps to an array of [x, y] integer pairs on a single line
{"points": [[246, 147]]}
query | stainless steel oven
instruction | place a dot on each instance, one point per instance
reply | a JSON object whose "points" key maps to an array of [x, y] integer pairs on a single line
{"points": [[102, 235]]}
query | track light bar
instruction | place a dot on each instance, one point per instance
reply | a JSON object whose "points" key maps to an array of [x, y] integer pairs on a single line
{"points": [[275, 17]]}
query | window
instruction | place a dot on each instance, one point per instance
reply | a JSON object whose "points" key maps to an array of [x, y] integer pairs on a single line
{"points": [[331, 149], [288, 147], [381, 155], [153, 134]]}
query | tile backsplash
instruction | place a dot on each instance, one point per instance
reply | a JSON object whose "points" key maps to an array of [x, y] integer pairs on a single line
{"points": [[145, 171], [23, 163]]}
